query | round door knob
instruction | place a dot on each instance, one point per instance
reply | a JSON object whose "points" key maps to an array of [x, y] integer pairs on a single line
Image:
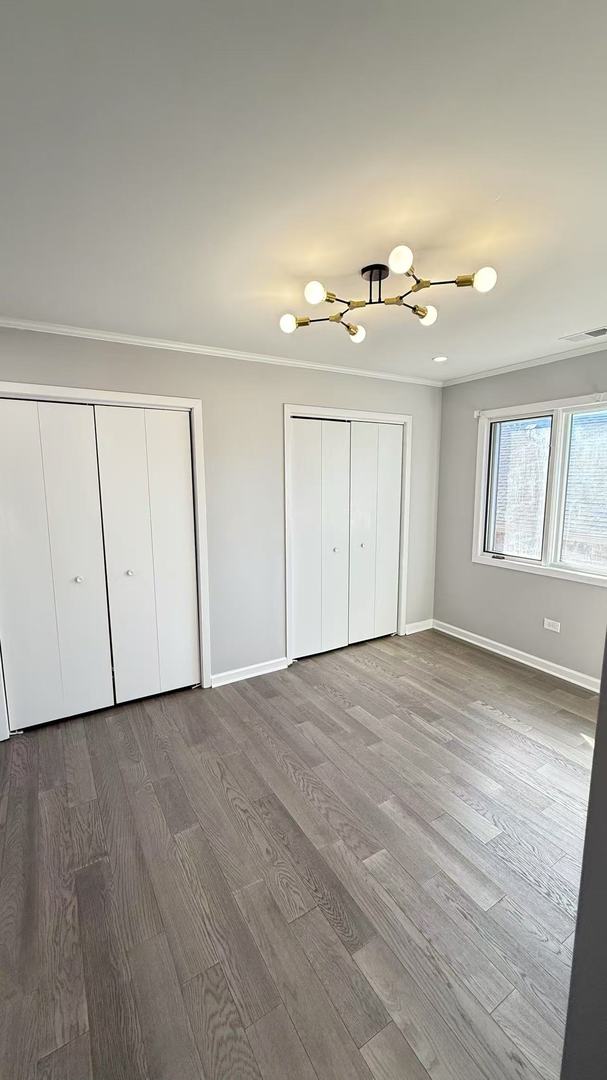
{"points": [[78, 579], [362, 545], [130, 573], [335, 549]]}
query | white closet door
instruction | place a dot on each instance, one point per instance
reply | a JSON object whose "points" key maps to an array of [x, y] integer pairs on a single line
{"points": [[305, 536], [67, 434], [335, 532], [387, 557], [363, 528], [28, 626], [173, 546], [127, 530]]}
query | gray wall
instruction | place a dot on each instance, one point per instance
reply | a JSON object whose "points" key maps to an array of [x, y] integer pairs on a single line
{"points": [[243, 441], [507, 605]]}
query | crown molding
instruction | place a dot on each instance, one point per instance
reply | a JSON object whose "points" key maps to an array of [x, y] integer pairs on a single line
{"points": [[552, 358], [86, 333], [9, 323]]}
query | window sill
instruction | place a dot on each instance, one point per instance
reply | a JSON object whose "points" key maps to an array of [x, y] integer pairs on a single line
{"points": [[546, 571]]}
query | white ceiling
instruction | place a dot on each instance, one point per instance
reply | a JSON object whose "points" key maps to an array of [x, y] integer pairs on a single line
{"points": [[180, 170]]}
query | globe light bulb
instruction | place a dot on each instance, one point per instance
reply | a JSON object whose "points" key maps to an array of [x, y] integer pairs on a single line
{"points": [[485, 279], [288, 323], [431, 316], [359, 336], [400, 259], [315, 292]]}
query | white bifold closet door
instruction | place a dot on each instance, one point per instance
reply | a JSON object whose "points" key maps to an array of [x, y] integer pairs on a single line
{"points": [[319, 530], [375, 511], [148, 522], [53, 604]]}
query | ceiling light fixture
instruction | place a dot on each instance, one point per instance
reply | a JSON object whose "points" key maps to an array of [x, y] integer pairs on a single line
{"points": [[400, 261], [439, 359]]}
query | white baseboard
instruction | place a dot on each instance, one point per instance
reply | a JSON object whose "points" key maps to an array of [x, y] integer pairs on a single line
{"points": [[237, 674], [417, 627], [560, 672]]}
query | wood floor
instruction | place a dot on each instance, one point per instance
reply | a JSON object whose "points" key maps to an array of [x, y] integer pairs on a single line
{"points": [[364, 866]]}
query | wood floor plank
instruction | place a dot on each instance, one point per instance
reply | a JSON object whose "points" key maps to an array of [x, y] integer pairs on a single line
{"points": [[62, 1000], [308, 819], [439, 1051], [357, 1004], [248, 977], [175, 804], [438, 792], [5, 776], [337, 905], [433, 978], [228, 844], [152, 746], [138, 914], [506, 877], [453, 861], [278, 1049], [475, 969], [88, 837], [390, 1057], [247, 777], [353, 831], [69, 1062], [50, 758], [18, 1037], [224, 1048], [335, 749], [78, 772], [538, 872], [377, 764], [330, 1047], [274, 865], [201, 720], [116, 1042], [534, 1037], [181, 897], [413, 856], [167, 1037], [19, 954], [545, 985], [533, 937]]}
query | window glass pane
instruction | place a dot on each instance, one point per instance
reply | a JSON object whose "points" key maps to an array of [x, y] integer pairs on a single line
{"points": [[518, 477], [584, 540]]}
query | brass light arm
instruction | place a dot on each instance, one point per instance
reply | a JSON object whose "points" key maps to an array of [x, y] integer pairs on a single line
{"points": [[482, 280]]}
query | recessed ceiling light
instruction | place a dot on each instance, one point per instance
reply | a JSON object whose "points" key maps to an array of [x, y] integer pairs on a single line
{"points": [[439, 359]]}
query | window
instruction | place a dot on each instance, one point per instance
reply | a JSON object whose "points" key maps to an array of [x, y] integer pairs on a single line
{"points": [[541, 502], [584, 534], [520, 450]]}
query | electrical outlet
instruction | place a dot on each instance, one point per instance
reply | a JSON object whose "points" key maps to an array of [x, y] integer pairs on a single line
{"points": [[552, 624]]}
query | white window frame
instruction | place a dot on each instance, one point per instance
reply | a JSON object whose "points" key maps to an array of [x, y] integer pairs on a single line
{"points": [[561, 412]]}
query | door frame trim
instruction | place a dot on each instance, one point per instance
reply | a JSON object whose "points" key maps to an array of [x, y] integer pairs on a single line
{"points": [[193, 406], [321, 412]]}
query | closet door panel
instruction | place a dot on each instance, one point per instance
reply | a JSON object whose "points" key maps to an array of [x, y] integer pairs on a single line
{"points": [[305, 536], [125, 504], [363, 523], [335, 532], [389, 464], [69, 454], [28, 626], [173, 546]]}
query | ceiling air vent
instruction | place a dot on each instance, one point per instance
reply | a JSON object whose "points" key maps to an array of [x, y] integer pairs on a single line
{"points": [[586, 335]]}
